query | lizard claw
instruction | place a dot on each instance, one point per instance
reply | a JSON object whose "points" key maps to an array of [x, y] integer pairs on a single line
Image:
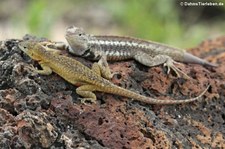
{"points": [[32, 68], [170, 65], [85, 101]]}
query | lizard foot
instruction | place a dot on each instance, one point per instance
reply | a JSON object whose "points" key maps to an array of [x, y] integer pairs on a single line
{"points": [[45, 69], [34, 69], [170, 65], [87, 100]]}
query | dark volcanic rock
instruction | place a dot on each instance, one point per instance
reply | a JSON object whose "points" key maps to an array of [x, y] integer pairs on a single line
{"points": [[45, 112]]}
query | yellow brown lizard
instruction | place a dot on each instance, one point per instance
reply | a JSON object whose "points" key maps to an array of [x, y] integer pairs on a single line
{"points": [[89, 79]]}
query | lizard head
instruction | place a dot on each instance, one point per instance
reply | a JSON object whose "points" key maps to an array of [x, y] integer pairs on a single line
{"points": [[31, 48], [77, 39]]}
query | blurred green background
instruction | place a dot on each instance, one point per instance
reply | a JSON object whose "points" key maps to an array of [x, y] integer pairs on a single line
{"points": [[158, 20]]}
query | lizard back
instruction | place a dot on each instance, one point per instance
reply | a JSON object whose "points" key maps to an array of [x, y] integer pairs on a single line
{"points": [[72, 70], [121, 48]]}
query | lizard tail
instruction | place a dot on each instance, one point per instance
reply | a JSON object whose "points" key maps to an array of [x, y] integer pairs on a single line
{"points": [[149, 100], [188, 58]]}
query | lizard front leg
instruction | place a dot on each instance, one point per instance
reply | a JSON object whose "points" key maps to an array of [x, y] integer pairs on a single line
{"points": [[86, 91], [102, 68], [147, 60], [46, 69], [55, 45]]}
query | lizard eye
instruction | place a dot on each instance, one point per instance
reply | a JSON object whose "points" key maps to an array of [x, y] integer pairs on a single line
{"points": [[80, 34]]}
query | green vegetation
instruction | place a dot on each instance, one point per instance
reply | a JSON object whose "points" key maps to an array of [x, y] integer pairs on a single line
{"points": [[159, 20], [156, 20], [41, 16]]}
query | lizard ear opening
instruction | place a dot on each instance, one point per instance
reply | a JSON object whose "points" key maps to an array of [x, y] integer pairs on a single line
{"points": [[25, 47]]}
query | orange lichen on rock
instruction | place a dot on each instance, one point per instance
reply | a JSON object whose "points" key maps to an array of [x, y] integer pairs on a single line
{"points": [[208, 136]]}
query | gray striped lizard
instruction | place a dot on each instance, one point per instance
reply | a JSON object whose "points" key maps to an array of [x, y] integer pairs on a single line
{"points": [[115, 48]]}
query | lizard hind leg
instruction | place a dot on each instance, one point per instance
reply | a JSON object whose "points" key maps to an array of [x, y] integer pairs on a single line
{"points": [[150, 61], [86, 91]]}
